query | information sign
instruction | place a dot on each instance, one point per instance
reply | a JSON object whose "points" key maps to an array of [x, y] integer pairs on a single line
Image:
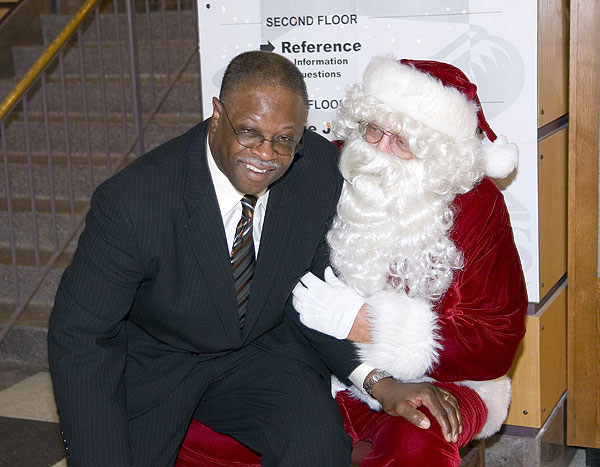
{"points": [[493, 41]]}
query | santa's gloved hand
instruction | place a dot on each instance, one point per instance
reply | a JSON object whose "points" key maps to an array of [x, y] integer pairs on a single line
{"points": [[329, 307]]}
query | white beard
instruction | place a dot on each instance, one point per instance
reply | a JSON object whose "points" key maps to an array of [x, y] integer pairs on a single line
{"points": [[393, 222]]}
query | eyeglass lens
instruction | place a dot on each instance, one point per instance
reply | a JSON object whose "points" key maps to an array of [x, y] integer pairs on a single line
{"points": [[372, 134]]}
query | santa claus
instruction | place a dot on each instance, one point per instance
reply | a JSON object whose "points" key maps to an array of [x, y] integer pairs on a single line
{"points": [[427, 281]]}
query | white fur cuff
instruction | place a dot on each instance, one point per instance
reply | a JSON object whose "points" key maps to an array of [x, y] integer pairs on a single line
{"points": [[496, 395], [403, 334]]}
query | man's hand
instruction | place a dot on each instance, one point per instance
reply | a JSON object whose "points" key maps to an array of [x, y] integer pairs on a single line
{"points": [[402, 399], [328, 306]]}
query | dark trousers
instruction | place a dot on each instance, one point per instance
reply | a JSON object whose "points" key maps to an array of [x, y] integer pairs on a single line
{"points": [[279, 407]]}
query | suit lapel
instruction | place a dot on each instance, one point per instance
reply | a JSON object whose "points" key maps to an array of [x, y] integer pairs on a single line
{"points": [[207, 237]]}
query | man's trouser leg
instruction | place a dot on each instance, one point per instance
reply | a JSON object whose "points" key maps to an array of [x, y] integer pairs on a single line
{"points": [[281, 408]]}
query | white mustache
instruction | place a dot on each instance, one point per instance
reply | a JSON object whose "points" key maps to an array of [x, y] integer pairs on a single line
{"points": [[257, 161]]}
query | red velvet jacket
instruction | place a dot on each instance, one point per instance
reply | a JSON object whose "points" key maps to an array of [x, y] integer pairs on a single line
{"points": [[471, 335], [481, 316]]}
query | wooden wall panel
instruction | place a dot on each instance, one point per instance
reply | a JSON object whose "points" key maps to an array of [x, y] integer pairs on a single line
{"points": [[539, 373], [552, 169], [553, 354], [583, 404], [524, 408], [553, 60]]}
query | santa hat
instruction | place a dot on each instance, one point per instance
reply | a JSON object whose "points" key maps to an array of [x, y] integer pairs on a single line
{"points": [[440, 96]]}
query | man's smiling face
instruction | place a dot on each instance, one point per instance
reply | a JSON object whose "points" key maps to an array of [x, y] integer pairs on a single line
{"points": [[268, 110]]}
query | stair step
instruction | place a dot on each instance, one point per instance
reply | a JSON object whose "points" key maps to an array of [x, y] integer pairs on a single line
{"points": [[185, 96], [77, 177], [35, 314], [41, 302], [46, 225], [61, 205], [113, 142], [177, 25], [26, 345], [26, 257], [26, 341], [159, 59], [61, 160], [6, 86], [119, 136]]}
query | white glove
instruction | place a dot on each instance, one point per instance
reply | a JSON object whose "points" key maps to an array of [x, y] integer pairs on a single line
{"points": [[329, 307]]}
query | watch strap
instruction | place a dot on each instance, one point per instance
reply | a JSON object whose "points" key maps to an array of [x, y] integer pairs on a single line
{"points": [[374, 378]]}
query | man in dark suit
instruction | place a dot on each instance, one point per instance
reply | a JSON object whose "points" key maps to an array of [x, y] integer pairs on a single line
{"points": [[148, 327]]}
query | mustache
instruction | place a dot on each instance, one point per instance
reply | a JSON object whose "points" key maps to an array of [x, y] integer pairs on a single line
{"points": [[257, 161]]}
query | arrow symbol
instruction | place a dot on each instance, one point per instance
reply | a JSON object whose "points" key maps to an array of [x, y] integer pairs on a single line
{"points": [[268, 47]]}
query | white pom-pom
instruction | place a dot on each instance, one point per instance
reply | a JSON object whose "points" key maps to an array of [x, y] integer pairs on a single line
{"points": [[500, 158]]}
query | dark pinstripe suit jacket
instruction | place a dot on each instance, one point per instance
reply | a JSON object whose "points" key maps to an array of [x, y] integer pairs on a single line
{"points": [[150, 293]]}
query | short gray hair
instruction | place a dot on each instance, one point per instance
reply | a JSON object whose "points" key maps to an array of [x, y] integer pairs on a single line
{"points": [[262, 67]]}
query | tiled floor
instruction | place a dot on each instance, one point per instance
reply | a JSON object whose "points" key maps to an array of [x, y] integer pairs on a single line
{"points": [[28, 419], [30, 435]]}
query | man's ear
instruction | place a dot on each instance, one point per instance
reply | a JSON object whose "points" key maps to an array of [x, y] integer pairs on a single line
{"points": [[216, 115]]}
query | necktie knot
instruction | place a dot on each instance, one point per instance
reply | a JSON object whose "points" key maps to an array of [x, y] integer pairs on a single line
{"points": [[250, 200], [248, 204]]}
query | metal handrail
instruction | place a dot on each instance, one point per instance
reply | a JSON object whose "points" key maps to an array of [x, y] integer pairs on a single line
{"points": [[41, 63]]}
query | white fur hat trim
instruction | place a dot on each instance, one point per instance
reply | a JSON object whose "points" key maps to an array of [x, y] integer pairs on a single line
{"points": [[421, 96], [425, 98]]}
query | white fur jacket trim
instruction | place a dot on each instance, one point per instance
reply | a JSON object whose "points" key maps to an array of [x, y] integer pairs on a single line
{"points": [[406, 344], [404, 335]]}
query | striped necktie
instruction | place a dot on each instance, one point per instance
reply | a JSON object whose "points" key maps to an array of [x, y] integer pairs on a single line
{"points": [[242, 256]]}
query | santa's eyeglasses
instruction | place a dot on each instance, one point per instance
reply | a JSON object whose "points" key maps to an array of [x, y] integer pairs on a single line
{"points": [[372, 134]]}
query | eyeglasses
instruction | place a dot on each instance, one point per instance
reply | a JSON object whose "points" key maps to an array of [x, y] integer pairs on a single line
{"points": [[282, 145], [372, 134]]}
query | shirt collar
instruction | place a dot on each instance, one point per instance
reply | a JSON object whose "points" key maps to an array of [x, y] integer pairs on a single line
{"points": [[227, 195]]}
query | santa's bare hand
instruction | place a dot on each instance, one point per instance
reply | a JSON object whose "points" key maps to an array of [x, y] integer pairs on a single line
{"points": [[402, 400], [361, 328]]}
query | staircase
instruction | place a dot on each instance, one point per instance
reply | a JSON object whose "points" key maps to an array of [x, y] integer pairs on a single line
{"points": [[55, 162]]}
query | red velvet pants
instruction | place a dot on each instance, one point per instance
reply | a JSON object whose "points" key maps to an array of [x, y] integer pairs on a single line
{"points": [[395, 441]]}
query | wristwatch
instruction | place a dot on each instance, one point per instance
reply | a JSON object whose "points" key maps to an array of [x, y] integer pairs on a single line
{"points": [[377, 376]]}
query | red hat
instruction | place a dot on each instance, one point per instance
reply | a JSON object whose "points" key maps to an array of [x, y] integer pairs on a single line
{"points": [[452, 76], [440, 96]]}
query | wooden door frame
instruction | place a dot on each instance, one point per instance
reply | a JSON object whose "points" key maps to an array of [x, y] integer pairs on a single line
{"points": [[583, 337]]}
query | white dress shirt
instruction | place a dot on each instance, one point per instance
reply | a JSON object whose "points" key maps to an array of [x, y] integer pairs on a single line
{"points": [[230, 205]]}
